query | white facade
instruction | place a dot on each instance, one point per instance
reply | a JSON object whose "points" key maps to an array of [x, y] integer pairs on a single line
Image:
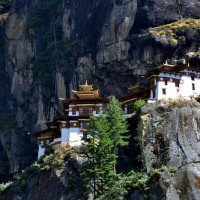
{"points": [[65, 134], [41, 151], [184, 84], [75, 134]]}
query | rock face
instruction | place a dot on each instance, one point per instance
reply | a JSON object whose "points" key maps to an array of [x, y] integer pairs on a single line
{"points": [[50, 179], [170, 137], [49, 47], [170, 134]]}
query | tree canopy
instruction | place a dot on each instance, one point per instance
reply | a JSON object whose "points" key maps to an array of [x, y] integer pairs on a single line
{"points": [[104, 136]]}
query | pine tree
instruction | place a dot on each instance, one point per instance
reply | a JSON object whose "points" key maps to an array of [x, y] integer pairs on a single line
{"points": [[104, 136]]}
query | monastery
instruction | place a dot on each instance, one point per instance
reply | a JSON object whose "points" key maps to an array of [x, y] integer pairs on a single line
{"points": [[166, 81]]}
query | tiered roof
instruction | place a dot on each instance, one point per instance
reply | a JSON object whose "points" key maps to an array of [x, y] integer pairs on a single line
{"points": [[86, 92]]}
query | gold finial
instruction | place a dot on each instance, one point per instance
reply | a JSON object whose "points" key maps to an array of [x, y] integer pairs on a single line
{"points": [[86, 82]]}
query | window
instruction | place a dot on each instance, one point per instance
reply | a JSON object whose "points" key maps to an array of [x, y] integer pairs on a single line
{"points": [[164, 91], [86, 111], [84, 125], [73, 112], [154, 94], [177, 83], [165, 82], [129, 108], [193, 86], [192, 78]]}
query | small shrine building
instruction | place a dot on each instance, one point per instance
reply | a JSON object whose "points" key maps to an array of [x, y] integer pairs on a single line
{"points": [[174, 82], [71, 126]]}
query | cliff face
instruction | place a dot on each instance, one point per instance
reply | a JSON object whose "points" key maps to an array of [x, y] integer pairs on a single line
{"points": [[170, 137], [50, 47], [169, 132], [56, 177]]}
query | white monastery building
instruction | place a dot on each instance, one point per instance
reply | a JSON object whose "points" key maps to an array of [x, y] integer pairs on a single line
{"points": [[175, 82], [166, 81], [71, 126]]}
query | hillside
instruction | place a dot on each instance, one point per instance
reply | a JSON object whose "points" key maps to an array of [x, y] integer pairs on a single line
{"points": [[49, 47]]}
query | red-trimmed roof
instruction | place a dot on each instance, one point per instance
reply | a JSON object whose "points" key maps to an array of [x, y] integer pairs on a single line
{"points": [[99, 100], [66, 117], [171, 69]]}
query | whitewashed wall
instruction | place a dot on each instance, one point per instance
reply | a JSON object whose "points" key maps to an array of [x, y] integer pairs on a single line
{"points": [[184, 90], [65, 134], [41, 151], [75, 134]]}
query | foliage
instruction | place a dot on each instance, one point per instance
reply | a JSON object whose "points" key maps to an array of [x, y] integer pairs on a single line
{"points": [[4, 186], [138, 105], [175, 103], [158, 171], [55, 159], [104, 136], [117, 124], [19, 186], [55, 54], [123, 183], [168, 33]]}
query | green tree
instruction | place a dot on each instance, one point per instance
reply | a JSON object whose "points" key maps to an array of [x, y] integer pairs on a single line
{"points": [[138, 105], [104, 136]]}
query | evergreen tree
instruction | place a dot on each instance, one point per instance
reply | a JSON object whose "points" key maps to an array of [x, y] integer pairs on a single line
{"points": [[104, 136]]}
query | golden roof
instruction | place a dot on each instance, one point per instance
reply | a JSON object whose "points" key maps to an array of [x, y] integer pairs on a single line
{"points": [[86, 87], [86, 92]]}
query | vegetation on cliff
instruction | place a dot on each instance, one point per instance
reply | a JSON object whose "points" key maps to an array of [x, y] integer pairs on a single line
{"points": [[104, 136], [172, 33], [56, 53]]}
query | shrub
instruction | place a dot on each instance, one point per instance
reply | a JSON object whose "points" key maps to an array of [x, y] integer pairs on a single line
{"points": [[138, 105], [124, 183], [4, 186], [19, 186]]}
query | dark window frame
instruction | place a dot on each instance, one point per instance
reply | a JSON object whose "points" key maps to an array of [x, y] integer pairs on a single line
{"points": [[177, 84], [154, 94], [192, 78], [164, 91], [193, 86]]}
